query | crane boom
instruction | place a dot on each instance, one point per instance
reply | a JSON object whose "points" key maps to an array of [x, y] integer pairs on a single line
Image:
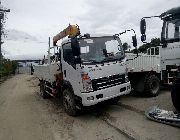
{"points": [[71, 30]]}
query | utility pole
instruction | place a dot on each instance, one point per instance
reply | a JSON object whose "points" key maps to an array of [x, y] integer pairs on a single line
{"points": [[2, 11]]}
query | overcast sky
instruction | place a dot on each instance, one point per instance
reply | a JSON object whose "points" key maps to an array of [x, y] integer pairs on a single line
{"points": [[31, 22]]}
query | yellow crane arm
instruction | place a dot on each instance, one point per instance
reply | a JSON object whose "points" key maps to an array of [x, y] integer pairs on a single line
{"points": [[71, 30]]}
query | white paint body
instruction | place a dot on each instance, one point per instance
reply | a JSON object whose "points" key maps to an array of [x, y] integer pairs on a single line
{"points": [[143, 63], [73, 76], [168, 56]]}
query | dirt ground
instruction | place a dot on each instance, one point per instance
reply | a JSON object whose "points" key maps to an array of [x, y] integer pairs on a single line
{"points": [[24, 115]]}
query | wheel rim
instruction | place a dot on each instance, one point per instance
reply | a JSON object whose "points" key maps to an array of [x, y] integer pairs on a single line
{"points": [[154, 87], [67, 102]]}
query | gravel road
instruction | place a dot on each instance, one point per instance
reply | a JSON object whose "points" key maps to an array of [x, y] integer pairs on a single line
{"points": [[24, 115]]}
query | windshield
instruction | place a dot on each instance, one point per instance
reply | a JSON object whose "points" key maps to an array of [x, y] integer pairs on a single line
{"points": [[172, 29], [101, 49]]}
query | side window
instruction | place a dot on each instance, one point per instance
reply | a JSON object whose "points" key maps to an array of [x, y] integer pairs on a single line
{"points": [[68, 54], [173, 29], [152, 51], [156, 51]]}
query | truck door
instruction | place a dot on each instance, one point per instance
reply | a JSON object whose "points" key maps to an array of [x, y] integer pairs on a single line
{"points": [[70, 73], [170, 53]]}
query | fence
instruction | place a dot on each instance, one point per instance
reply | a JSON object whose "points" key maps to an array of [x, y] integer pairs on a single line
{"points": [[24, 70]]}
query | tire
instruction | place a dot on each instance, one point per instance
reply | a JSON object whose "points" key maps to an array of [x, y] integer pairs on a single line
{"points": [[152, 86], [175, 94], [43, 92], [69, 102]]}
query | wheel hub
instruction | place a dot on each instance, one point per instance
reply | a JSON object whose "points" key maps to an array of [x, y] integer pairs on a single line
{"points": [[67, 102], [154, 86]]}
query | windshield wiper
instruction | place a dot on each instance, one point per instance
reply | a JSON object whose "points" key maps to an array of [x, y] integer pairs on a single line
{"points": [[91, 61], [109, 59]]}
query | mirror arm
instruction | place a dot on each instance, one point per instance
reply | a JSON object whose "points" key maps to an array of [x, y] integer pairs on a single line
{"points": [[125, 32], [151, 17]]}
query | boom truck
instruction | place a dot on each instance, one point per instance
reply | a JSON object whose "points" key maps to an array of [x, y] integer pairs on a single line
{"points": [[169, 50], [84, 69], [159, 66]]}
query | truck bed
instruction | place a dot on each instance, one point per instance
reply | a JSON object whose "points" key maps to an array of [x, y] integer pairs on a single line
{"points": [[46, 71], [143, 63]]}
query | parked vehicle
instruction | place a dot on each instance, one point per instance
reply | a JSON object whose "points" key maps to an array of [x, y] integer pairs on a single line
{"points": [[84, 70], [159, 65], [144, 73], [169, 51]]}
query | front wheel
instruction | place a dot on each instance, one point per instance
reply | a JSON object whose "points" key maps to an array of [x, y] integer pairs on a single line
{"points": [[152, 86], [69, 102], [175, 95], [42, 91]]}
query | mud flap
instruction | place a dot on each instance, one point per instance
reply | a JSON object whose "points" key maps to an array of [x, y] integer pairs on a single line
{"points": [[163, 116]]}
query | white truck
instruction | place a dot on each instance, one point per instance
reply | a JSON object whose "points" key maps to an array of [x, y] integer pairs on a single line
{"points": [[144, 71], [84, 70], [169, 64], [159, 66]]}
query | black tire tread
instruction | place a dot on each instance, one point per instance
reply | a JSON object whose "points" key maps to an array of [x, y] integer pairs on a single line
{"points": [[175, 94], [73, 111], [147, 89], [42, 90]]}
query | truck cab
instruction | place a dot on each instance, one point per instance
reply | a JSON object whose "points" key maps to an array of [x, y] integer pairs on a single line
{"points": [[99, 72], [170, 50]]}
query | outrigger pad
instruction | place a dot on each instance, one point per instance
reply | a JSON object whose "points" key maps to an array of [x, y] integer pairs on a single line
{"points": [[163, 116]]}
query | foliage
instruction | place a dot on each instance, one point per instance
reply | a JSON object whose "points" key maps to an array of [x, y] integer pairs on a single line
{"points": [[143, 48], [7, 67], [126, 46]]}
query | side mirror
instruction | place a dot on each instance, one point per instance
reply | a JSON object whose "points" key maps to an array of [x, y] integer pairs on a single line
{"points": [[135, 44], [143, 26], [59, 55], [134, 41], [143, 37], [75, 46]]}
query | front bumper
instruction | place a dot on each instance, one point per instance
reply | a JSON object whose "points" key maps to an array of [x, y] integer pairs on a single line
{"points": [[105, 94]]}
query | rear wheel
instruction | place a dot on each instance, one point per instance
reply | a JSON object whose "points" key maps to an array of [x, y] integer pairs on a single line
{"points": [[69, 102], [152, 86], [175, 95]]}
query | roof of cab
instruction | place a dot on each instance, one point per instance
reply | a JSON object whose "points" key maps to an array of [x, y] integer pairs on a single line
{"points": [[171, 12], [91, 35]]}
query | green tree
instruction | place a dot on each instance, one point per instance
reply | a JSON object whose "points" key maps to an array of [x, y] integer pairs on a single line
{"points": [[126, 46], [8, 67], [154, 43]]}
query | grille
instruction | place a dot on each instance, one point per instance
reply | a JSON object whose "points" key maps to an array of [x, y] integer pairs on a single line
{"points": [[106, 82]]}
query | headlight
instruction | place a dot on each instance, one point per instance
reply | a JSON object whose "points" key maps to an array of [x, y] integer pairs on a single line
{"points": [[126, 75], [87, 84]]}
